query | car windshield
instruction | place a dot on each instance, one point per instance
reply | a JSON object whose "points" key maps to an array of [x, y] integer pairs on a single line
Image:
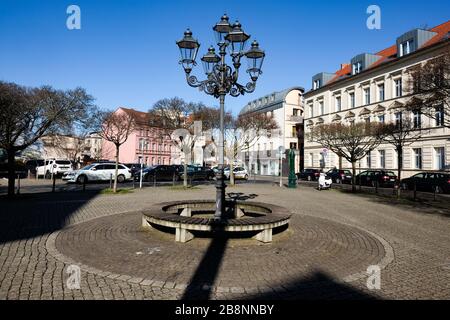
{"points": [[347, 172], [63, 162], [389, 173]]}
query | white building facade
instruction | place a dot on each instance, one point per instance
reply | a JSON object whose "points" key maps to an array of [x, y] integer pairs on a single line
{"points": [[371, 88], [287, 109]]}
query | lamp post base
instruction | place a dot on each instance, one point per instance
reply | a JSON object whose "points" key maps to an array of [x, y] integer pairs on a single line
{"points": [[220, 196]]}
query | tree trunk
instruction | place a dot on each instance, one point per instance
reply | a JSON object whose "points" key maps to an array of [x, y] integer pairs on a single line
{"points": [[11, 172], [399, 168], [353, 176], [117, 169], [340, 162], [185, 179]]}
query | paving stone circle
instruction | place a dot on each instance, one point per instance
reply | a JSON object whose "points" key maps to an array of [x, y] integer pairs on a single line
{"points": [[116, 246]]}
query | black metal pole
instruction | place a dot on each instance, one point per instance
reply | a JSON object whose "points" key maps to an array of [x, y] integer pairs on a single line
{"points": [[54, 181], [220, 184]]}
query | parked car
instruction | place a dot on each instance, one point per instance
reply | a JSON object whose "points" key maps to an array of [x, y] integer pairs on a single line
{"points": [[198, 173], [309, 174], [239, 173], [428, 182], [99, 172], [54, 166], [19, 170], [33, 164], [159, 173], [371, 177], [340, 176]]}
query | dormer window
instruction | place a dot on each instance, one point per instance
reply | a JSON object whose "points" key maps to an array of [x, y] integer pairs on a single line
{"points": [[357, 67], [316, 84], [406, 47]]}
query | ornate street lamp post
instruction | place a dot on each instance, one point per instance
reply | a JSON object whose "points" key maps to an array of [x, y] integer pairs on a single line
{"points": [[222, 79]]}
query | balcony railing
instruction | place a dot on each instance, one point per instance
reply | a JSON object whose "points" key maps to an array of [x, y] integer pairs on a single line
{"points": [[297, 119]]}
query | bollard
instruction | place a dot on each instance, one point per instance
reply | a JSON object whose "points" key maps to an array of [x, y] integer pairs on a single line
{"points": [[110, 180], [53, 182], [434, 192], [84, 185], [415, 190], [376, 187], [154, 179], [134, 180], [18, 184], [173, 179]]}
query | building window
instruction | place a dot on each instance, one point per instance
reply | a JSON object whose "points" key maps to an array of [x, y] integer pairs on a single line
{"points": [[417, 158], [352, 99], [398, 120], [406, 47], [369, 159], [417, 119], [338, 103], [367, 95], [398, 87], [381, 118], [159, 160], [381, 92], [294, 132], [439, 116], [382, 154], [316, 84], [357, 67], [367, 120], [439, 158], [321, 107], [293, 145], [311, 159], [311, 111], [296, 112]]}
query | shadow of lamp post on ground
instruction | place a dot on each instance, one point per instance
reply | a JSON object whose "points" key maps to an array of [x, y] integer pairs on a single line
{"points": [[222, 78]]}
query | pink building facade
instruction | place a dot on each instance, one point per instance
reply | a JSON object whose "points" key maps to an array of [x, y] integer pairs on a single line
{"points": [[143, 144]]}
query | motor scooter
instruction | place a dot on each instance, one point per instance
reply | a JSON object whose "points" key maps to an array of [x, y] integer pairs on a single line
{"points": [[324, 182]]}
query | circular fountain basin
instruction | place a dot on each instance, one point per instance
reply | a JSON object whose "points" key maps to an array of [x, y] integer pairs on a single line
{"points": [[190, 217]]}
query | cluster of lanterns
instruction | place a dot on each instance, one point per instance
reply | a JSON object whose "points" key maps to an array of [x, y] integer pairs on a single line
{"points": [[229, 36]]}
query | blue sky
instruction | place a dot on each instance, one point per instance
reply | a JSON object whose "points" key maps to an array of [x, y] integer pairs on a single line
{"points": [[125, 52]]}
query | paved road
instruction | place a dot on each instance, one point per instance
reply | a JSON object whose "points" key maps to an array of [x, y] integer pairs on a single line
{"points": [[41, 234]]}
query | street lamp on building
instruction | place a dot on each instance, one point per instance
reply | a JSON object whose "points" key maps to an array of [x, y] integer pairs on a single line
{"points": [[221, 78]]}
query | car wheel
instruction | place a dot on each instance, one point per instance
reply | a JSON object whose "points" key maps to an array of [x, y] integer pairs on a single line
{"points": [[121, 178], [48, 175], [82, 179], [373, 184], [246, 177], [404, 186], [309, 178], [438, 189]]}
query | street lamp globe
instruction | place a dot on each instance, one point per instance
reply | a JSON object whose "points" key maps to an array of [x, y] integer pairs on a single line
{"points": [[237, 38], [221, 29], [255, 57], [188, 49], [210, 60]]}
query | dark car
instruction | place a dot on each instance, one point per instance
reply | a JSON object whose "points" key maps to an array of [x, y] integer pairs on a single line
{"points": [[373, 177], [309, 174], [19, 170], [198, 173], [158, 173], [428, 182], [32, 164], [340, 176]]}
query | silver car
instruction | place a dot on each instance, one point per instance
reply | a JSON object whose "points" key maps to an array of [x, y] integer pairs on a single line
{"points": [[239, 173]]}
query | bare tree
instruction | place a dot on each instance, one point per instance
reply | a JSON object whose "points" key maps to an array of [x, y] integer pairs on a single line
{"points": [[116, 128], [400, 135], [352, 141], [243, 132], [429, 83], [26, 114]]}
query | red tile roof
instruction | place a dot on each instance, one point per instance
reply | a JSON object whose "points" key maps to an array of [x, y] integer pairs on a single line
{"points": [[390, 53], [139, 116]]}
